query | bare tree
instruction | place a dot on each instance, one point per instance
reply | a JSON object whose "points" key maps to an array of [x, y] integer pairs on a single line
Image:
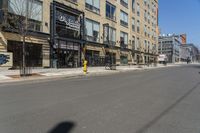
{"points": [[21, 16]]}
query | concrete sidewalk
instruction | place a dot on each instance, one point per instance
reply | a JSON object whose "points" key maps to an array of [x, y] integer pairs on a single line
{"points": [[13, 75]]}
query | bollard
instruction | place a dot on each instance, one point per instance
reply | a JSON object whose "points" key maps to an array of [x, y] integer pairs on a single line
{"points": [[85, 67]]}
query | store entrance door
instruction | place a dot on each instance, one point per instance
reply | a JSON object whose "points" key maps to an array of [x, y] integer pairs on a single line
{"points": [[68, 59]]}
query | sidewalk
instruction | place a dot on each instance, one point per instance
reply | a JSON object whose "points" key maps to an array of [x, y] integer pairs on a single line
{"points": [[13, 75]]}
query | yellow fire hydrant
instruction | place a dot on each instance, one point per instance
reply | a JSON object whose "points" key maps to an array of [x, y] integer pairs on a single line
{"points": [[85, 67]]}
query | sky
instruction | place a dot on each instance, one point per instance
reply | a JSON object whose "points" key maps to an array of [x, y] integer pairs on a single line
{"points": [[180, 16]]}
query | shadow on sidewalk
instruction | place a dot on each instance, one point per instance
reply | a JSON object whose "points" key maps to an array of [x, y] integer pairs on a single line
{"points": [[63, 127]]}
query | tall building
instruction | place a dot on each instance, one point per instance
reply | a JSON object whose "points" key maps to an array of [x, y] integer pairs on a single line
{"points": [[170, 46], [124, 30]]}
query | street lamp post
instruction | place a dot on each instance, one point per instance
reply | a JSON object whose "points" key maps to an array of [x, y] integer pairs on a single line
{"points": [[106, 35]]}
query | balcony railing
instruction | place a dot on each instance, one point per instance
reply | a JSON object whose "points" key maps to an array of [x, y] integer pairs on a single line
{"points": [[123, 23], [110, 43], [123, 46], [110, 16], [92, 38], [73, 1], [124, 3]]}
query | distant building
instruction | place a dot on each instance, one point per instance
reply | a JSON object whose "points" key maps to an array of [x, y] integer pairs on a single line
{"points": [[170, 46], [194, 53], [185, 53]]}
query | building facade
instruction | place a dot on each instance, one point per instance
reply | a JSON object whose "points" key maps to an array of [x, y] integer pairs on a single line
{"points": [[194, 52], [125, 31], [36, 38], [185, 53], [170, 46]]}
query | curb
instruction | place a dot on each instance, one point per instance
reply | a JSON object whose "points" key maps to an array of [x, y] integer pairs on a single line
{"points": [[47, 78]]}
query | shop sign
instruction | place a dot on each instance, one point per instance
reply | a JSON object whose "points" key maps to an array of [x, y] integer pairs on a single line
{"points": [[4, 59], [69, 20]]}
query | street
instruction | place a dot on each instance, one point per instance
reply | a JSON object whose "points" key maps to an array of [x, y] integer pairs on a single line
{"points": [[164, 100]]}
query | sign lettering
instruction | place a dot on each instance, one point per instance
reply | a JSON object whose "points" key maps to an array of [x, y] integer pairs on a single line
{"points": [[70, 21]]}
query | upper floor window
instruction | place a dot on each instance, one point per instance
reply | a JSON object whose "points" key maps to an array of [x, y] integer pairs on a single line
{"points": [[124, 3], [145, 2], [138, 9], [110, 35], [138, 47], [133, 24], [93, 5], [92, 30], [110, 11], [123, 18], [138, 26], [145, 15], [133, 6], [34, 13], [124, 38], [19, 8], [133, 43]]}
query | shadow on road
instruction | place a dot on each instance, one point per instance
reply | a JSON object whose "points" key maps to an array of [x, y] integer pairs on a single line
{"points": [[64, 127]]}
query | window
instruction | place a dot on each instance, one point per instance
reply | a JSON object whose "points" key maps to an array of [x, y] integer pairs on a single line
{"points": [[124, 3], [110, 11], [133, 43], [145, 15], [133, 6], [138, 26], [18, 8], [123, 39], [93, 5], [111, 37], [145, 2], [145, 30], [138, 43], [124, 18], [145, 45], [138, 9], [92, 30], [133, 24]]}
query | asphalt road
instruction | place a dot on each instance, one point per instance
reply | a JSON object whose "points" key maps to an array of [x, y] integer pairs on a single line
{"points": [[154, 101]]}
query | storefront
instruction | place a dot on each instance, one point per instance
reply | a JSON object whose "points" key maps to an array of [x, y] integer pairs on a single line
{"points": [[66, 36], [34, 56]]}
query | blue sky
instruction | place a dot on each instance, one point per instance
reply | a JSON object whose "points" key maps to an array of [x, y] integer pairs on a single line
{"points": [[180, 16]]}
